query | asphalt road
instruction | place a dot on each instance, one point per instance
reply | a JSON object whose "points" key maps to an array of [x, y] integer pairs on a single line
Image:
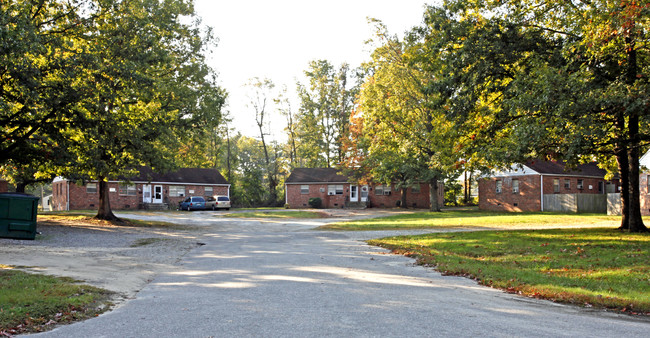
{"points": [[279, 279]]}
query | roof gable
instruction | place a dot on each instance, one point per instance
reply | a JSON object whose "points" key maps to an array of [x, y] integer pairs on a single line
{"points": [[559, 168], [182, 175], [316, 175]]}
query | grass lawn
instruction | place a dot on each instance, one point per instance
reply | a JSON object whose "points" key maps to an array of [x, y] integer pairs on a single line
{"points": [[472, 218], [278, 214], [599, 267], [33, 303]]}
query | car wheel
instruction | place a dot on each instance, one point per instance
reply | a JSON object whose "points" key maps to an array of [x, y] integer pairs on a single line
{"points": [[214, 208], [188, 208], [227, 208]]}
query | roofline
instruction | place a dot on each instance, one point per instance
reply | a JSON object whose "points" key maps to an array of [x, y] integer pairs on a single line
{"points": [[316, 182], [157, 182]]}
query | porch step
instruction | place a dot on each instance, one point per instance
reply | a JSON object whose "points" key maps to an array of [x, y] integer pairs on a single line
{"points": [[156, 206], [356, 205]]}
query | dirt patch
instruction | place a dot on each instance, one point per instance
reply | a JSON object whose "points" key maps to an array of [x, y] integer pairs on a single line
{"points": [[122, 259]]}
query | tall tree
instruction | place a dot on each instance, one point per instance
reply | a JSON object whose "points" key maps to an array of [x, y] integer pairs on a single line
{"points": [[259, 98], [405, 116], [563, 79], [149, 86], [325, 104], [39, 87]]}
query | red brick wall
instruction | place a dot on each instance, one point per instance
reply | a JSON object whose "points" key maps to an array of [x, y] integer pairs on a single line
{"points": [[80, 199], [418, 200], [529, 196], [3, 186]]}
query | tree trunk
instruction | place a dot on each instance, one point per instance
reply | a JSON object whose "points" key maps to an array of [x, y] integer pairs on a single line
{"points": [[20, 187], [104, 212], [403, 197], [433, 195], [623, 167], [635, 222]]}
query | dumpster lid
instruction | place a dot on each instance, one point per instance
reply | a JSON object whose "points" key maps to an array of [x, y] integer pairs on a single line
{"points": [[17, 194]]}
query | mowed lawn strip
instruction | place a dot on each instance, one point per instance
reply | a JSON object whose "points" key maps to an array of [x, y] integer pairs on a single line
{"points": [[277, 214], [33, 303], [470, 218], [599, 267]]}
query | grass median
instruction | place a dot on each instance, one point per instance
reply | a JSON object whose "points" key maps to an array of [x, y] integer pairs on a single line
{"points": [[277, 214], [599, 267], [34, 303], [473, 218]]}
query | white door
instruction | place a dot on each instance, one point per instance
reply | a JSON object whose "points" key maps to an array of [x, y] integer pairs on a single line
{"points": [[364, 193], [146, 193], [354, 193], [157, 194]]}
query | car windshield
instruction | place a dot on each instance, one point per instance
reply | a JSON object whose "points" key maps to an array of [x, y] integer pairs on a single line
{"points": [[187, 200]]}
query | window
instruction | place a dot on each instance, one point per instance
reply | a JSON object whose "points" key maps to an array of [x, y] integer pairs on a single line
{"points": [[515, 186], [91, 188], [304, 189], [567, 184], [382, 189], [208, 191], [335, 189], [556, 185], [499, 186], [127, 189], [415, 188], [580, 185], [176, 190]]}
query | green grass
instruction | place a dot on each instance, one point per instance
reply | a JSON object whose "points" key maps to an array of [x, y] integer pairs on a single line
{"points": [[34, 303], [464, 218], [277, 214], [589, 266]]}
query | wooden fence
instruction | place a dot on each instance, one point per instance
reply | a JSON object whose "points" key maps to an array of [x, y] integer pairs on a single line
{"points": [[579, 203]]}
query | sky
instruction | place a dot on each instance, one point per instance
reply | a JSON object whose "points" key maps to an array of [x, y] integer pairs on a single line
{"points": [[277, 40]]}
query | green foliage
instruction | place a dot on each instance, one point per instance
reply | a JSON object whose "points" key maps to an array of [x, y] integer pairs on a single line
{"points": [[322, 120], [593, 267], [453, 192], [36, 301], [315, 202]]}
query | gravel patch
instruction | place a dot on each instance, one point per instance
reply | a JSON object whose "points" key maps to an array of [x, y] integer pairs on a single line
{"points": [[105, 256]]}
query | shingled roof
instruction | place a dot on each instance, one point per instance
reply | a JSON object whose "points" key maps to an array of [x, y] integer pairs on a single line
{"points": [[183, 175], [559, 168], [316, 175]]}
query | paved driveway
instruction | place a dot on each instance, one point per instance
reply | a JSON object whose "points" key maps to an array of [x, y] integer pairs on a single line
{"points": [[257, 278]]}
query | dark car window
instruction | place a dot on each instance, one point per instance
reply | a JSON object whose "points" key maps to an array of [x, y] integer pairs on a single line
{"points": [[198, 199], [210, 199], [187, 200], [224, 198]]}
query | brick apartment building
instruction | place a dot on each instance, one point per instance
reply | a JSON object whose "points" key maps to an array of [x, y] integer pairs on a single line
{"points": [[336, 191], [146, 190], [523, 187]]}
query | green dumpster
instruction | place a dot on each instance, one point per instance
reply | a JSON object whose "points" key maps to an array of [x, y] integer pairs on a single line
{"points": [[18, 215]]}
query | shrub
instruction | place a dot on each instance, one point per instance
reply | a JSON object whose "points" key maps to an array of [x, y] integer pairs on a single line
{"points": [[316, 202]]}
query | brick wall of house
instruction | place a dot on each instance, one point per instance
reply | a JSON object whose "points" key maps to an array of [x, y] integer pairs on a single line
{"points": [[4, 186], [80, 199], [296, 199], [529, 196]]}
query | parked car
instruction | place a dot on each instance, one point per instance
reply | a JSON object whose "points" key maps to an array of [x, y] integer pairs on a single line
{"points": [[217, 202], [192, 203]]}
